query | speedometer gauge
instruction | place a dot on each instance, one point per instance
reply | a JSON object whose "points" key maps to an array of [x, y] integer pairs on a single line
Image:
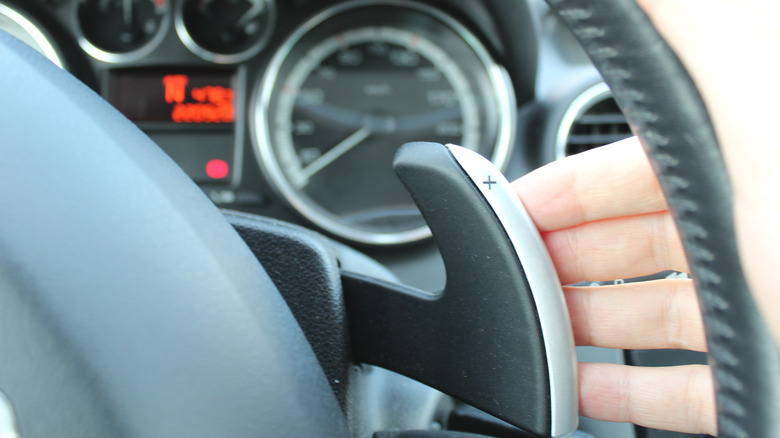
{"points": [[350, 87]]}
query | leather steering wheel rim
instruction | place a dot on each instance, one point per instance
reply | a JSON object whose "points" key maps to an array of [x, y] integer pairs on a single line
{"points": [[665, 110]]}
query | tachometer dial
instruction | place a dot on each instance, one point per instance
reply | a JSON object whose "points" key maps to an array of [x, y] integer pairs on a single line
{"points": [[354, 84], [225, 31], [120, 30]]}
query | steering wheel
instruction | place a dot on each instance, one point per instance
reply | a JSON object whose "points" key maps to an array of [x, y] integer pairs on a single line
{"points": [[129, 307], [665, 110]]}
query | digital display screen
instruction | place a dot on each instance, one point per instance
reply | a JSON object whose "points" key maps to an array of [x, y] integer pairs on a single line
{"points": [[188, 112], [186, 96]]}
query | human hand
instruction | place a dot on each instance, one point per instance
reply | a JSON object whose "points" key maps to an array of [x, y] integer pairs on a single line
{"points": [[602, 216]]}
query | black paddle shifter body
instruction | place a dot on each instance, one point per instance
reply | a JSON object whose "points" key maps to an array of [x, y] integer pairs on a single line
{"points": [[498, 336]]}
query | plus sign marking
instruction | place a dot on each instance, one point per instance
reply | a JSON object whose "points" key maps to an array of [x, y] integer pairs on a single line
{"points": [[489, 182]]}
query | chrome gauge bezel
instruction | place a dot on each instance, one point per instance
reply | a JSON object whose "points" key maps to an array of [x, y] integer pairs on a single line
{"points": [[222, 58], [583, 102], [262, 136], [120, 57], [44, 43]]}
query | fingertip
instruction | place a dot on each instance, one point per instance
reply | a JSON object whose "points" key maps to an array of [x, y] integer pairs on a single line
{"points": [[610, 181], [600, 397], [548, 196]]}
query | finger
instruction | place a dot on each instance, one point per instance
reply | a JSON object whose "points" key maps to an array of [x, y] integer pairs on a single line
{"points": [[639, 316], [616, 248], [672, 398], [611, 181]]}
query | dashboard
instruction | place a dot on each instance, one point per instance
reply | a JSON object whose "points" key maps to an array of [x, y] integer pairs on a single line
{"points": [[293, 109]]}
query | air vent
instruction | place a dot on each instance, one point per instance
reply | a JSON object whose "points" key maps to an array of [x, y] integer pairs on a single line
{"points": [[592, 120]]}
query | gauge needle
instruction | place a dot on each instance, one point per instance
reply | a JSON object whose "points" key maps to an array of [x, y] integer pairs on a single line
{"points": [[128, 12], [334, 153], [257, 8]]}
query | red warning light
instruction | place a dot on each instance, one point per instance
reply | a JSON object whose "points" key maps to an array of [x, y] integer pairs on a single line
{"points": [[217, 169]]}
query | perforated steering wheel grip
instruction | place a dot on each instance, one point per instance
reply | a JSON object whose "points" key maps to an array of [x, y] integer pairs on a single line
{"points": [[666, 112]]}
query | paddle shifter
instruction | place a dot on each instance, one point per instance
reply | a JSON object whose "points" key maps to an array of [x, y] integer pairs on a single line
{"points": [[498, 336]]}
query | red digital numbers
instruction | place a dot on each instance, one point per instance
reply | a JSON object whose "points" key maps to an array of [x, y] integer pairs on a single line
{"points": [[207, 104]]}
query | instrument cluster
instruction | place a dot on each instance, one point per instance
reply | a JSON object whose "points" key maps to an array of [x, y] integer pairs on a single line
{"points": [[293, 108]]}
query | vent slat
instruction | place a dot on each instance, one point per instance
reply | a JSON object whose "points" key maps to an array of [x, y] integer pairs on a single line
{"points": [[596, 139], [602, 123], [602, 119]]}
